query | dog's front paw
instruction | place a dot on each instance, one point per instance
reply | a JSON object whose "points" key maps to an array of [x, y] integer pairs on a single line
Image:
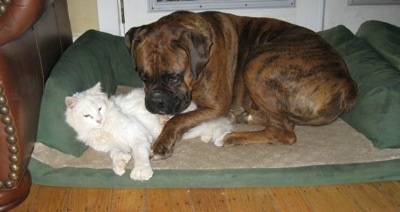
{"points": [[161, 155], [119, 163], [161, 152], [141, 173]]}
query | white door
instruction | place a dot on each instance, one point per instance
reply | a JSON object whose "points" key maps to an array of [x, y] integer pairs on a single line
{"points": [[307, 13]]}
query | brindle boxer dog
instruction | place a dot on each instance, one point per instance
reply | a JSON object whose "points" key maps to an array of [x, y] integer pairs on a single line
{"points": [[278, 74]]}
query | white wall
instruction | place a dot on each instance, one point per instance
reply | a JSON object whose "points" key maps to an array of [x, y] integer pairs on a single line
{"points": [[338, 12], [307, 13], [83, 16]]}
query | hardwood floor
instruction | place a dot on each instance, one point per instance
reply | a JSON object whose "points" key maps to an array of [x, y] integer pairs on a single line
{"points": [[378, 196]]}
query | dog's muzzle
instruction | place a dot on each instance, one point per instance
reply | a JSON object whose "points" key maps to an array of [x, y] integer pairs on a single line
{"points": [[166, 103]]}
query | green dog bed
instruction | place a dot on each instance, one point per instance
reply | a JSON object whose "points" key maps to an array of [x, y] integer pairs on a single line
{"points": [[98, 56]]}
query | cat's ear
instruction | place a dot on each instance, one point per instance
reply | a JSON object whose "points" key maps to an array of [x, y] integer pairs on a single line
{"points": [[96, 89], [70, 101]]}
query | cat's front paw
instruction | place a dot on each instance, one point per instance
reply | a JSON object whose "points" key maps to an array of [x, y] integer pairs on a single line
{"points": [[141, 173], [119, 171], [120, 161]]}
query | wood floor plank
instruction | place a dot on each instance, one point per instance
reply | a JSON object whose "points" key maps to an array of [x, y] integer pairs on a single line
{"points": [[391, 191], [208, 199], [180, 199], [242, 199], [157, 199], [329, 198], [368, 193], [48, 194], [289, 199], [89, 199], [30, 200], [384, 196], [128, 200]]}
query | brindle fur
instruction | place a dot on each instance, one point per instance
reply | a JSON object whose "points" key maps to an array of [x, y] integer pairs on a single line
{"points": [[278, 73]]}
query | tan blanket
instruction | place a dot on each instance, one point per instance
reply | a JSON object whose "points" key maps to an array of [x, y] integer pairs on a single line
{"points": [[337, 143]]}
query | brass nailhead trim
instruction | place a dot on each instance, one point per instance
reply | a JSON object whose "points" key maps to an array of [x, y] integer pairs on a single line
{"points": [[7, 119], [13, 158], [4, 110], [3, 6], [13, 149], [11, 139], [9, 184]]}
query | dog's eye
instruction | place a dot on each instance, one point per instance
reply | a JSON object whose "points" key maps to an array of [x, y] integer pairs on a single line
{"points": [[144, 77], [173, 79]]}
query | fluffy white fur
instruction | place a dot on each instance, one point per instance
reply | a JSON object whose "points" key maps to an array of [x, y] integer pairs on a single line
{"points": [[122, 126]]}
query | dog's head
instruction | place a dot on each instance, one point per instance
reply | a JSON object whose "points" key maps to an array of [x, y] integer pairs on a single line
{"points": [[169, 60]]}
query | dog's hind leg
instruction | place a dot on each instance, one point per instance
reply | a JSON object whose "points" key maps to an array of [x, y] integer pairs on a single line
{"points": [[277, 131], [270, 135]]}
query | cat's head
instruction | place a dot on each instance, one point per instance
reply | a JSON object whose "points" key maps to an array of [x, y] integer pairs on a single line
{"points": [[86, 110]]}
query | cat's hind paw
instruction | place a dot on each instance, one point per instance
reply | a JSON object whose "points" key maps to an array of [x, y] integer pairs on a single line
{"points": [[220, 140], [206, 138], [141, 173]]}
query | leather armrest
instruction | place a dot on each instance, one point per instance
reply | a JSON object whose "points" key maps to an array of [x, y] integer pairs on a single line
{"points": [[33, 35], [16, 16]]}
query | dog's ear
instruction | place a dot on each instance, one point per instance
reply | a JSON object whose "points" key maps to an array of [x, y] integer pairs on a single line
{"points": [[133, 37], [197, 47]]}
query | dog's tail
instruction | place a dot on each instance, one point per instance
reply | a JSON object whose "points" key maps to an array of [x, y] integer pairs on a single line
{"points": [[349, 95]]}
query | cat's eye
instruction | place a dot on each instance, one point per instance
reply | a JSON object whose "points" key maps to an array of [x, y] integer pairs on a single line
{"points": [[99, 108], [87, 116]]}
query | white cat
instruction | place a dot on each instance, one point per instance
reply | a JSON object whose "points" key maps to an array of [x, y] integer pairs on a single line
{"points": [[121, 126]]}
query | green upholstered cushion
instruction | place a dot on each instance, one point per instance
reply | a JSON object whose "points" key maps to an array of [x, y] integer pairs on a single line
{"points": [[383, 38], [376, 113], [95, 56]]}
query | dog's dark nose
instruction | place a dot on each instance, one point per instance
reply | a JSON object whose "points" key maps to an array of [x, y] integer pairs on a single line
{"points": [[165, 102], [158, 100]]}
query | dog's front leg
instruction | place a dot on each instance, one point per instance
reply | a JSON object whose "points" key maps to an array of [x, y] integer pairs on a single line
{"points": [[163, 146], [173, 130]]}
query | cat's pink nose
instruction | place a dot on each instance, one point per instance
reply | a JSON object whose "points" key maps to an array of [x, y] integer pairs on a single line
{"points": [[99, 121]]}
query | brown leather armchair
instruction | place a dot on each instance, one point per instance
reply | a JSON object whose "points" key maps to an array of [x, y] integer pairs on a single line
{"points": [[33, 35]]}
